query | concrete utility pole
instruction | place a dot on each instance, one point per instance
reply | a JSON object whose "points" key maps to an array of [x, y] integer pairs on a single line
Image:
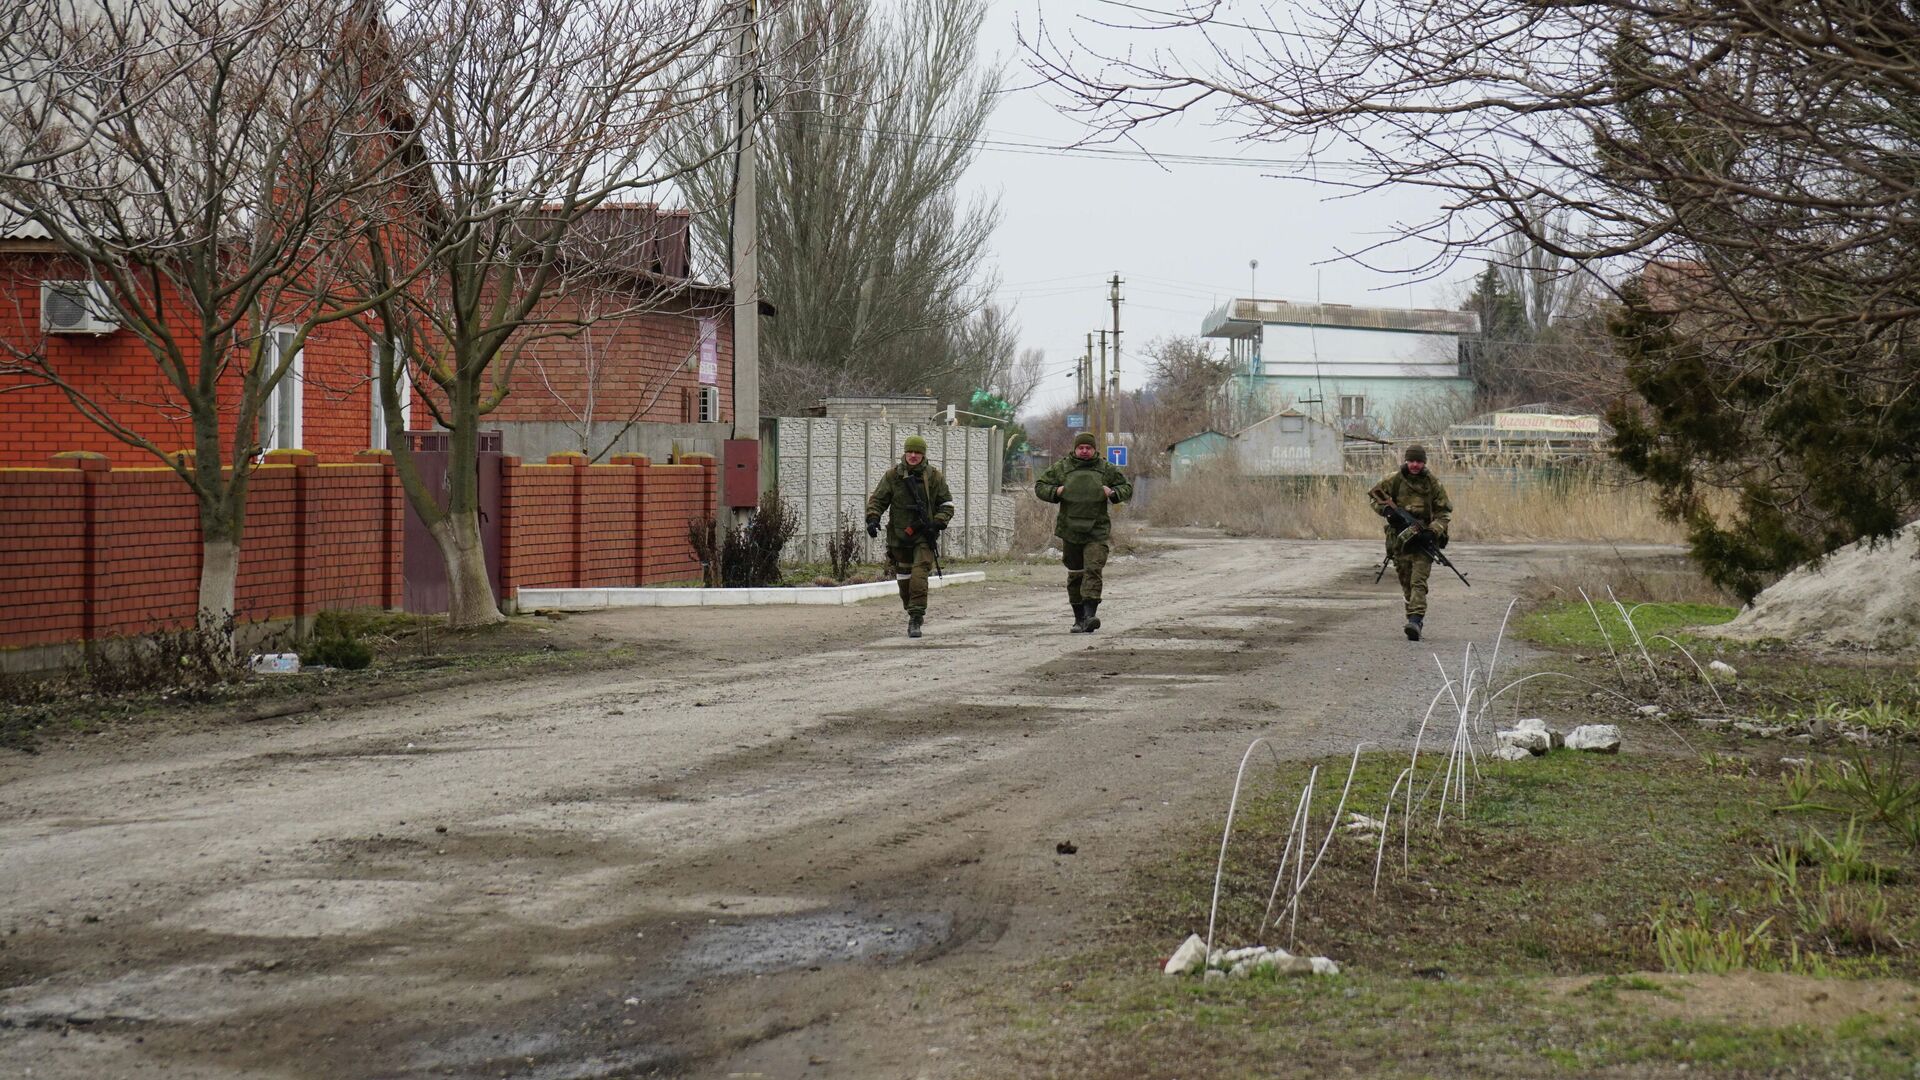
{"points": [[1113, 397], [746, 232], [1100, 391], [1081, 370]]}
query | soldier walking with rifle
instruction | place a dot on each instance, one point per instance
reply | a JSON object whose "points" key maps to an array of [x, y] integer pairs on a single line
{"points": [[1083, 485], [914, 496], [1417, 509]]}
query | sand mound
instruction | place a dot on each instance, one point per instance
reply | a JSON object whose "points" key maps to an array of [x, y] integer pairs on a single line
{"points": [[1860, 597]]}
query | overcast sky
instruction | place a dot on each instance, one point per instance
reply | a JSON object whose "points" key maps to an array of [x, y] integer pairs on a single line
{"points": [[1180, 235]]}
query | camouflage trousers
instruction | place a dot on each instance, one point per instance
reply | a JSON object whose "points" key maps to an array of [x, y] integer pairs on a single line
{"points": [[1085, 563], [910, 567], [1413, 570]]}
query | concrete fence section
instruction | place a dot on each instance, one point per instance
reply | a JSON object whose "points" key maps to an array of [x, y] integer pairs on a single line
{"points": [[826, 468]]}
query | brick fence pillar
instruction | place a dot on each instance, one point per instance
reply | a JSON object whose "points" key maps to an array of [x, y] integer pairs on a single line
{"points": [[392, 523], [509, 479], [303, 462], [94, 469], [576, 572], [710, 483], [641, 464]]}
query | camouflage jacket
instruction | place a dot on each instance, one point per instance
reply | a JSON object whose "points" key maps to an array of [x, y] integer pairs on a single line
{"points": [[1422, 496], [904, 493], [1083, 505]]}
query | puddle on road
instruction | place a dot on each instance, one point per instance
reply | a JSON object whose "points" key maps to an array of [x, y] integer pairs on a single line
{"points": [[793, 942]]}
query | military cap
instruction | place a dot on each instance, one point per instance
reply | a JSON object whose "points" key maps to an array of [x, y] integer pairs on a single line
{"points": [[916, 445], [1416, 452], [1085, 438]]}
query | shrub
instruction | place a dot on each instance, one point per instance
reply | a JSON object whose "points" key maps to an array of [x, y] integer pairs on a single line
{"points": [[336, 643], [747, 555]]}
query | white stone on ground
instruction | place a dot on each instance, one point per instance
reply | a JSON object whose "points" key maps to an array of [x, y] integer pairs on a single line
{"points": [[1511, 753], [1362, 823], [1531, 740], [1721, 667], [1595, 738], [1190, 956]]}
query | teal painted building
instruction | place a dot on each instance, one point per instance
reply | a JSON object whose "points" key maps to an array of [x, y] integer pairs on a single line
{"points": [[1380, 372], [1196, 451]]}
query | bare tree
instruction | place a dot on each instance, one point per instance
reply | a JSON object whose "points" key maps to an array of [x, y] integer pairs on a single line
{"points": [[190, 161], [1747, 174], [867, 252], [532, 114], [1742, 136]]}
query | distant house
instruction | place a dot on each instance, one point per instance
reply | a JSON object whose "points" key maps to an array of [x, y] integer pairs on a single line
{"points": [[1354, 368], [1196, 451], [1289, 443]]}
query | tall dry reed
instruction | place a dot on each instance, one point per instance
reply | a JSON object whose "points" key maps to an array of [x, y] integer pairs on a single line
{"points": [[1489, 505]]}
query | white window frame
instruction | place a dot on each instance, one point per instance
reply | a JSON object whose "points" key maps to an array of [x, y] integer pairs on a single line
{"points": [[287, 396], [1359, 410], [378, 441], [709, 412]]}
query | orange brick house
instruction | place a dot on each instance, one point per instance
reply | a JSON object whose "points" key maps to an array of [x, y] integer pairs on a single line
{"points": [[663, 365]]}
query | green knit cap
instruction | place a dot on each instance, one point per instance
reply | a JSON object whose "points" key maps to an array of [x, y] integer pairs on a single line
{"points": [[1085, 438], [916, 445]]}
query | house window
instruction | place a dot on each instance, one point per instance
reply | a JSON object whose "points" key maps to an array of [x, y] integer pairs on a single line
{"points": [[1293, 424], [1353, 407], [382, 350], [709, 404], [280, 416]]}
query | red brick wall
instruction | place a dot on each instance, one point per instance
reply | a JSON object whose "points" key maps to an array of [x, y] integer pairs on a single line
{"points": [[119, 373], [90, 551], [571, 525], [629, 365]]}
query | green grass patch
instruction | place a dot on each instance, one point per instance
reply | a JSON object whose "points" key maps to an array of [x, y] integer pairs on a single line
{"points": [[1572, 624], [1515, 941]]}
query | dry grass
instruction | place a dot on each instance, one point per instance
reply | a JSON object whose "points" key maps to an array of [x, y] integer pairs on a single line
{"points": [[1498, 506], [1032, 525]]}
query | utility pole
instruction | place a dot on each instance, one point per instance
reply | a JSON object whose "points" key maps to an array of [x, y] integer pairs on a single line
{"points": [[1082, 374], [1113, 398], [746, 233], [1100, 414]]}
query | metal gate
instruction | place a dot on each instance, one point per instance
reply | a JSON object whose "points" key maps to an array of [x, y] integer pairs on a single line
{"points": [[423, 571]]}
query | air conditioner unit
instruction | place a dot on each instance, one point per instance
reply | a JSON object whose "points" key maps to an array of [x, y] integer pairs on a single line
{"points": [[76, 307]]}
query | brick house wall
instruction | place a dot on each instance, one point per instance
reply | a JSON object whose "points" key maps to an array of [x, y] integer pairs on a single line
{"points": [[642, 366], [120, 372]]}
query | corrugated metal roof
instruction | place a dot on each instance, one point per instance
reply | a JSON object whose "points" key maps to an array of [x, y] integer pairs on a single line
{"points": [[1243, 318]]}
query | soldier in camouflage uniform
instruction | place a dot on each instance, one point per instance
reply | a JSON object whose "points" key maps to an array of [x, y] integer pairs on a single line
{"points": [[1420, 494], [914, 496], [1084, 486]]}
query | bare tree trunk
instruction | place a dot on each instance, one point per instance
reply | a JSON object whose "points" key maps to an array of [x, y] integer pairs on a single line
{"points": [[219, 569], [470, 593]]}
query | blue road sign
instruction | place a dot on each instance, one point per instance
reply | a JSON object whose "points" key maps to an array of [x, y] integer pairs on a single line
{"points": [[1117, 456], [1076, 420]]}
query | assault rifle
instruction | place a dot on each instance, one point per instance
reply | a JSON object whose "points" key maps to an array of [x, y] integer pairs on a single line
{"points": [[922, 527], [1422, 542]]}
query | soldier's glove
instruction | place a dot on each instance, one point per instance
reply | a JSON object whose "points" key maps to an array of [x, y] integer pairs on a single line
{"points": [[873, 527], [1439, 534], [1407, 534], [936, 526]]}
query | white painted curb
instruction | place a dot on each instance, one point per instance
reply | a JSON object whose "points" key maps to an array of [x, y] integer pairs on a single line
{"points": [[598, 599]]}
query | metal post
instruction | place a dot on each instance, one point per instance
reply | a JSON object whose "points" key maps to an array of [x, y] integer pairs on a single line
{"points": [[746, 234]]}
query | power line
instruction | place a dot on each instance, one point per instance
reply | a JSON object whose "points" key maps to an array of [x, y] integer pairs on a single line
{"points": [[1108, 153]]}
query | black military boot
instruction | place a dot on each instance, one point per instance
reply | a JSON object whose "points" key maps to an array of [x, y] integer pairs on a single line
{"points": [[1079, 619], [1092, 609], [913, 625], [1413, 626]]}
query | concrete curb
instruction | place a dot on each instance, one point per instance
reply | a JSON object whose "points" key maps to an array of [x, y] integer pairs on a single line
{"points": [[599, 599]]}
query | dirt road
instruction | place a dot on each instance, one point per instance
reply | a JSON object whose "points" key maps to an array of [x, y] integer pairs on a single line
{"points": [[793, 843]]}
